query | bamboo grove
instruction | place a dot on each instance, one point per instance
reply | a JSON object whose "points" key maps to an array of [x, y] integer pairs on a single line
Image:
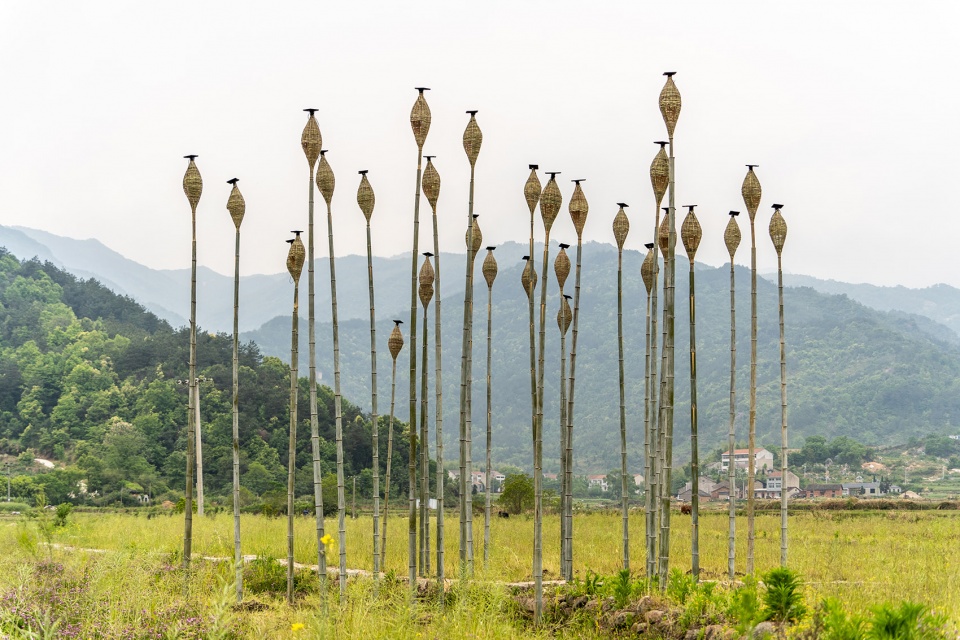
{"points": [[660, 425]]}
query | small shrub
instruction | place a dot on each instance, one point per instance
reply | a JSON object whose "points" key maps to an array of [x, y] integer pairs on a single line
{"points": [[63, 511], [744, 607], [680, 585], [783, 598], [622, 588], [908, 621], [266, 575]]}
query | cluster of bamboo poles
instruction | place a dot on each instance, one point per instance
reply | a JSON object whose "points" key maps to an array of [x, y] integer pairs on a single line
{"points": [[425, 285]]}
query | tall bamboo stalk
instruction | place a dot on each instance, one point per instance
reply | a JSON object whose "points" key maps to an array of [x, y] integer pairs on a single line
{"points": [[621, 227], [199, 449], [670, 109], [489, 270], [578, 208], [472, 140], [311, 142], [561, 267], [420, 124], [731, 237], [237, 207], [691, 233], [646, 274], [531, 193], [477, 238], [431, 189], [394, 344], [425, 291], [659, 179], [192, 187], [778, 234], [295, 266], [751, 192], [366, 201]]}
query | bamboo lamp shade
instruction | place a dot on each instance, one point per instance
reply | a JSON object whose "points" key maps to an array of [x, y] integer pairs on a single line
{"points": [[731, 235], [472, 139], [670, 104], [660, 174], [395, 341], [646, 269], [778, 229], [427, 276], [366, 199], [326, 181], [751, 192], [561, 266], [621, 227], [310, 140], [192, 183], [663, 235], [564, 315], [489, 268], [532, 189], [550, 201], [528, 278], [295, 258], [235, 205], [579, 208], [477, 237], [420, 119], [691, 234], [431, 183]]}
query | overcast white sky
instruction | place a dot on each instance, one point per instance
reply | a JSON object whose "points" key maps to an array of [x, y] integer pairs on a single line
{"points": [[850, 109]]}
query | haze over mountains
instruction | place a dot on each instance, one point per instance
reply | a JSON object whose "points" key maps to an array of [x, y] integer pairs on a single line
{"points": [[876, 374]]}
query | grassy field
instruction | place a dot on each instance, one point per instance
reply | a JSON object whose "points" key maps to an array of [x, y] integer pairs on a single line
{"points": [[861, 558]]}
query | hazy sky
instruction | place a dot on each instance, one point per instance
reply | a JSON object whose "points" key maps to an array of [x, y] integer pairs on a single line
{"points": [[850, 109]]}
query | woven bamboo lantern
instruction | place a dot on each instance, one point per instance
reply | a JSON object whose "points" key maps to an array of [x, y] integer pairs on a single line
{"points": [[192, 183], [565, 315], [395, 341], [532, 188], [235, 204], [528, 278], [731, 235], [691, 232], [490, 267], [431, 183], [295, 257], [472, 139], [621, 226], [365, 196], [751, 191], [778, 229], [670, 103], [561, 266], [663, 235], [477, 236], [646, 268], [420, 118], [660, 172], [310, 140], [427, 275], [579, 208], [550, 201], [326, 181]]}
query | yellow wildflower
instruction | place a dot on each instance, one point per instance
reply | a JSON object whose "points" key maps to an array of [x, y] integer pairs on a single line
{"points": [[327, 541], [296, 626]]}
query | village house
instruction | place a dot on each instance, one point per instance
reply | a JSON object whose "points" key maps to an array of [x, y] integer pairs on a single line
{"points": [[823, 491], [598, 480], [705, 490], [763, 459]]}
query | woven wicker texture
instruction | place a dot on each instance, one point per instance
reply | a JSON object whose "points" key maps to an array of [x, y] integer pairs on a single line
{"points": [[395, 341], [326, 181], [751, 192], [528, 278], [295, 258], [646, 270], [420, 120], [564, 316], [431, 184], [670, 105], [690, 234], [579, 208], [192, 184], [489, 268], [365, 197], [311, 141], [731, 236], [550, 201], [427, 275], [472, 139], [531, 190], [236, 206], [778, 231], [621, 227], [561, 266], [663, 236], [477, 237], [660, 174]]}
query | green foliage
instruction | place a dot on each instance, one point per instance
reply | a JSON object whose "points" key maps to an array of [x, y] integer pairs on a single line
{"points": [[62, 512], [907, 621], [517, 493], [622, 587], [680, 585], [783, 596], [745, 607], [266, 575]]}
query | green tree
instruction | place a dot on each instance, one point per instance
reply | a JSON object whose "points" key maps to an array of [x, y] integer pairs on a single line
{"points": [[517, 493]]}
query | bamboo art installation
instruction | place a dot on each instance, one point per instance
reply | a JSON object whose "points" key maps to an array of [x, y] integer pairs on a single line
{"points": [[646, 274], [294, 266], [778, 234], [690, 234], [425, 291], [731, 237], [561, 267], [531, 193], [394, 344], [192, 187], [621, 227], [237, 207], [489, 270]]}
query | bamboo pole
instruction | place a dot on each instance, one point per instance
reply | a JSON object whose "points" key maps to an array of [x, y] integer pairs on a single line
{"points": [[192, 187], [199, 448], [778, 234], [691, 233], [646, 274], [731, 237], [237, 208], [561, 267], [294, 266], [394, 344], [425, 291], [531, 193], [477, 243], [751, 192], [621, 227], [489, 270]]}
